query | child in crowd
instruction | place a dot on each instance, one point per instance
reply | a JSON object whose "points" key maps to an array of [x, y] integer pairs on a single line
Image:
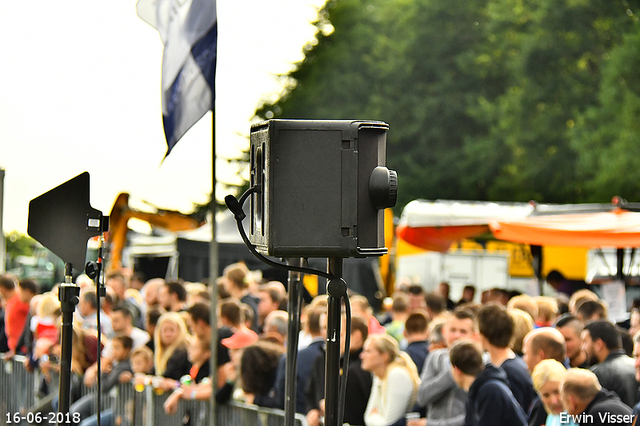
{"points": [[141, 368], [43, 325], [122, 345], [236, 344], [141, 360], [199, 352]]}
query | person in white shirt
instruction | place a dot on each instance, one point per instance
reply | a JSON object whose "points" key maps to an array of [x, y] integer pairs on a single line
{"points": [[395, 381]]}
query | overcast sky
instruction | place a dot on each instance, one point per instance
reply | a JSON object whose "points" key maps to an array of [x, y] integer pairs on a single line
{"points": [[81, 92]]}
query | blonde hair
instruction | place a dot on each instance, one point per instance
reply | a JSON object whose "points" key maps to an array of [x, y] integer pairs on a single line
{"points": [[132, 293], [522, 325], [163, 353], [386, 344], [361, 304], [194, 291], [145, 351], [319, 300], [579, 297], [547, 370], [547, 309], [48, 306], [525, 303]]}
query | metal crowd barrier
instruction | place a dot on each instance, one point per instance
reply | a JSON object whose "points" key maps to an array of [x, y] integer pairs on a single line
{"points": [[131, 407], [17, 389]]}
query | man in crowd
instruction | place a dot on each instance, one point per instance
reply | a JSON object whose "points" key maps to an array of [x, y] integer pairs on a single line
{"points": [[275, 327], [16, 311], [496, 328], [416, 333], [317, 326], [416, 297], [200, 325], [436, 304], [591, 310], [173, 296], [468, 294], [28, 292], [543, 343], [150, 292], [117, 282], [490, 401], [571, 328], [614, 369], [88, 309], [270, 297], [122, 323], [236, 284], [438, 392], [588, 404], [359, 383], [399, 313], [444, 289], [540, 344]]}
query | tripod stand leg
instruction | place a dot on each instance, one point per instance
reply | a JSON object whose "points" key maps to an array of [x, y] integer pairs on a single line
{"points": [[68, 296], [294, 307], [336, 289]]}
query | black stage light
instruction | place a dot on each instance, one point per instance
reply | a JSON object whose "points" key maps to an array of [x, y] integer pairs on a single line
{"points": [[322, 188]]}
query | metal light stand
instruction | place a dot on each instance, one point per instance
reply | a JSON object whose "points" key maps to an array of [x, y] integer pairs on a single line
{"points": [[94, 271], [294, 307], [336, 290], [63, 220], [69, 298]]}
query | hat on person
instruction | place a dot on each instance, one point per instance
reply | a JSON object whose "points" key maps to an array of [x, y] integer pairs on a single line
{"points": [[240, 339]]}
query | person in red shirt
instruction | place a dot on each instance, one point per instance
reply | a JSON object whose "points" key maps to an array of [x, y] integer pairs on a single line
{"points": [[16, 311]]}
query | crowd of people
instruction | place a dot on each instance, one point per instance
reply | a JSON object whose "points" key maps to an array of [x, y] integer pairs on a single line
{"points": [[510, 360]]}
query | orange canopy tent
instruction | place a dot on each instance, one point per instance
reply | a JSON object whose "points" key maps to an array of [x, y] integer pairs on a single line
{"points": [[617, 228], [434, 225]]}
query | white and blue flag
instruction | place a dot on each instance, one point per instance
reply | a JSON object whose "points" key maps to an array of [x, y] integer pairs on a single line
{"points": [[188, 30]]}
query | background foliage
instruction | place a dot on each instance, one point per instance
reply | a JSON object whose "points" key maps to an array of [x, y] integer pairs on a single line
{"points": [[505, 100]]}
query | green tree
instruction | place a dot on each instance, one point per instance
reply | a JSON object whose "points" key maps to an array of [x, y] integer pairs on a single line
{"points": [[486, 99], [19, 245], [607, 135], [407, 63], [553, 51]]}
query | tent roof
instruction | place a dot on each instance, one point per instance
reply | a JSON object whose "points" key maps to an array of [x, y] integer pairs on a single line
{"points": [[617, 228], [434, 225], [425, 213]]}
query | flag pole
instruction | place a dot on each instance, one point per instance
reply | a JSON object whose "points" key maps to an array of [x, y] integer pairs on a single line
{"points": [[213, 274]]}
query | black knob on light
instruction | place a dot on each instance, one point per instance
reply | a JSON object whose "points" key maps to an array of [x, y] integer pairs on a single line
{"points": [[383, 187]]}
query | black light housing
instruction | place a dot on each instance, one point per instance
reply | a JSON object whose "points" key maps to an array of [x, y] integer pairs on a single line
{"points": [[323, 186], [63, 220]]}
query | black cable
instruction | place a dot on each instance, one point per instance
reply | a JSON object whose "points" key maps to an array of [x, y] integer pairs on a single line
{"points": [[96, 269], [236, 208], [345, 362], [99, 275]]}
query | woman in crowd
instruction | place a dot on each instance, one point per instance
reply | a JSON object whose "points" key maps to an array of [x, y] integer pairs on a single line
{"points": [[523, 324], [171, 338], [395, 381], [547, 377]]}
